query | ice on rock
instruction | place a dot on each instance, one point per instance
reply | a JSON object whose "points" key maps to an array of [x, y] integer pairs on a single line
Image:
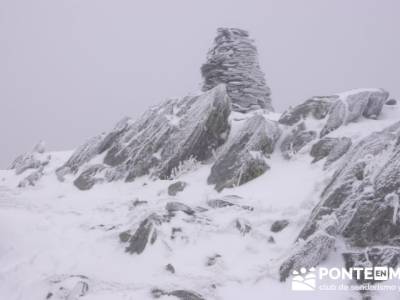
{"points": [[153, 145], [362, 198], [237, 162], [338, 110], [35, 159], [233, 60]]}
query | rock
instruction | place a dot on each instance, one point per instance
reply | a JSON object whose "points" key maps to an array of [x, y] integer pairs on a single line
{"points": [[125, 236], [180, 294], [138, 202], [82, 155], [170, 268], [279, 225], [352, 105], [176, 187], [243, 158], [295, 141], [32, 178], [68, 287], [212, 260], [359, 206], [337, 110], [372, 257], [172, 207], [168, 134], [243, 226], [233, 60], [308, 255], [36, 159], [87, 179], [218, 203], [271, 240], [146, 233], [391, 102], [331, 148], [317, 107]]}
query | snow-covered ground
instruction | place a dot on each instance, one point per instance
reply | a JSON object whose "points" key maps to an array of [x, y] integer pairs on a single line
{"points": [[53, 235]]}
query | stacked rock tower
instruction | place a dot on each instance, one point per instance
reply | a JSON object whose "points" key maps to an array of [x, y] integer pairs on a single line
{"points": [[233, 60]]}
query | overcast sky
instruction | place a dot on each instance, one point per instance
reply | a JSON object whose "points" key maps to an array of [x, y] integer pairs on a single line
{"points": [[70, 69]]}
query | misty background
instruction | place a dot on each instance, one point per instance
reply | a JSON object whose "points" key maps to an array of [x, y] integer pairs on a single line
{"points": [[70, 69]]}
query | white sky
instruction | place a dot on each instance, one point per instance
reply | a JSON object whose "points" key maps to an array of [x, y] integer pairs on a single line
{"points": [[70, 69]]}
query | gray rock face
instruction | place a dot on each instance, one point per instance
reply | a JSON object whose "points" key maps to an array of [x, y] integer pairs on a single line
{"points": [[317, 107], [164, 137], [295, 141], [176, 187], [330, 148], [145, 234], [338, 110], [173, 132], [244, 156], [359, 205], [87, 179], [233, 60], [364, 103], [279, 225]]}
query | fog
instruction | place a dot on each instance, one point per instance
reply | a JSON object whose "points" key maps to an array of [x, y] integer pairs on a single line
{"points": [[70, 69]]}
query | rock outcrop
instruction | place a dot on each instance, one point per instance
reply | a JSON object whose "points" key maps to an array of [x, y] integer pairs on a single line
{"points": [[36, 159], [244, 156], [157, 143], [358, 206], [338, 110], [233, 60]]}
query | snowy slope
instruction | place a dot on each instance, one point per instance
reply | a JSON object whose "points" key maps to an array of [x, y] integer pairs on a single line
{"points": [[55, 239]]}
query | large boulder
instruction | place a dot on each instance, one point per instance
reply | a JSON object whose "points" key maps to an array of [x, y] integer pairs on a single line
{"points": [[233, 60], [145, 234], [337, 110], [171, 133], [243, 158], [166, 135], [359, 205]]}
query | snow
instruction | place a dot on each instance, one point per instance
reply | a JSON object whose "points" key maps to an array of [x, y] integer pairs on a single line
{"points": [[52, 231]]}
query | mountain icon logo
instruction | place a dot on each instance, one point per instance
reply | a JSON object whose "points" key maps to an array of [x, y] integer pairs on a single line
{"points": [[305, 280]]}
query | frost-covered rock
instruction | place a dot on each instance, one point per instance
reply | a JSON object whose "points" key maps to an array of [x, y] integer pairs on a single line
{"points": [[35, 159], [171, 133], [82, 155], [179, 294], [360, 203], [32, 178], [87, 179], [243, 158], [330, 148], [352, 105], [176, 187], [233, 60], [296, 140], [316, 107], [172, 207], [160, 142], [144, 235], [338, 110]]}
